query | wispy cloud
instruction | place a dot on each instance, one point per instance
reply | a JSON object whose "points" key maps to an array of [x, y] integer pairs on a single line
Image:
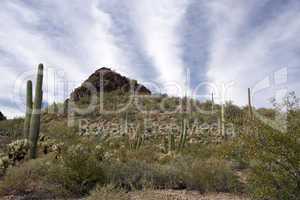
{"points": [[158, 24], [220, 41], [73, 37], [246, 52]]}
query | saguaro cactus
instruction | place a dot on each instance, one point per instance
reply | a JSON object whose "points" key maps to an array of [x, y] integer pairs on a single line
{"points": [[36, 113], [250, 104], [212, 102], [71, 112], [55, 108], [66, 107], [222, 121], [183, 136], [171, 142], [28, 109]]}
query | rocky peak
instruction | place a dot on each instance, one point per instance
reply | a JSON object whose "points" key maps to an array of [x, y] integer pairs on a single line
{"points": [[112, 81], [2, 117]]}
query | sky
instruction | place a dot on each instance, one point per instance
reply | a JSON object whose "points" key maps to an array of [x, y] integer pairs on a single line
{"points": [[173, 46]]}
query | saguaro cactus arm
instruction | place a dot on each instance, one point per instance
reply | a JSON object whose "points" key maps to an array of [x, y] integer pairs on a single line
{"points": [[36, 114], [28, 109]]}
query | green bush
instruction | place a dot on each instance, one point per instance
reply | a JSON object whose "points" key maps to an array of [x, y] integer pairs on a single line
{"points": [[271, 156], [79, 169], [59, 131], [210, 175], [204, 175], [213, 176], [131, 175], [30, 178], [274, 161], [12, 128]]}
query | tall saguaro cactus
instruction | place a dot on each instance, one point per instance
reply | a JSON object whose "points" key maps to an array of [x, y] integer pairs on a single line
{"points": [[171, 142], [250, 104], [28, 109], [212, 102], [183, 136], [36, 113], [222, 121]]}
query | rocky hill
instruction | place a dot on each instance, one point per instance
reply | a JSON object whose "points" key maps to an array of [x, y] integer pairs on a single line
{"points": [[111, 80], [2, 117]]}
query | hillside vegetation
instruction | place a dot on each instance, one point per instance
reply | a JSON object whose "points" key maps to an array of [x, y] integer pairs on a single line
{"points": [[149, 151]]}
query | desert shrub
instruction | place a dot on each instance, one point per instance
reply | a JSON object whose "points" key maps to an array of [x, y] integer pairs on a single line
{"points": [[273, 156], [147, 154], [12, 128], [233, 113], [211, 175], [30, 177], [267, 112], [232, 151], [78, 169], [59, 130], [274, 161], [130, 175], [137, 175], [201, 151], [169, 177]]}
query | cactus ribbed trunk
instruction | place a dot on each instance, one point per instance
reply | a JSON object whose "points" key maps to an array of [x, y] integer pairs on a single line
{"points": [[171, 142], [212, 102], [250, 104], [71, 112], [66, 107], [223, 132], [183, 136], [36, 113], [55, 108], [28, 109]]}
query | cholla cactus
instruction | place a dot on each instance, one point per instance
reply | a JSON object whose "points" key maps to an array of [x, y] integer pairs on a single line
{"points": [[18, 150], [108, 155], [57, 149], [46, 143]]}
